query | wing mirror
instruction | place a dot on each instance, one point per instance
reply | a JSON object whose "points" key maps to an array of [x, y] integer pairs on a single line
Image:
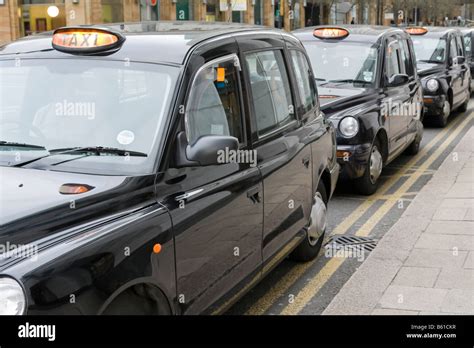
{"points": [[458, 60], [398, 80], [205, 151]]}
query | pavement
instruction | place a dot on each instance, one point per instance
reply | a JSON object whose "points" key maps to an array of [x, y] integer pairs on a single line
{"points": [[425, 263]]}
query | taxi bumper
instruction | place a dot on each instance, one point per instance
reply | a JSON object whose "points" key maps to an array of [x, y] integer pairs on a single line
{"points": [[433, 104], [353, 159]]}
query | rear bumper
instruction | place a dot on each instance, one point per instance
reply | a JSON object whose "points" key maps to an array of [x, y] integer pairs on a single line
{"points": [[353, 159], [433, 104]]}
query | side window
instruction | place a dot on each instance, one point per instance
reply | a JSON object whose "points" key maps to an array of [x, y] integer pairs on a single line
{"points": [[213, 107], [392, 61], [453, 51], [406, 57], [460, 46], [467, 44], [305, 80], [270, 90]]}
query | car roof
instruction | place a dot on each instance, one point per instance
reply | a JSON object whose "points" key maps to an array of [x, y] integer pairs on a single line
{"points": [[466, 30], [439, 31], [143, 40], [359, 33]]}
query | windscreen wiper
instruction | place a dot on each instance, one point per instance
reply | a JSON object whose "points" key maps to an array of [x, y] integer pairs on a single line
{"points": [[346, 81], [21, 145], [86, 151], [430, 61]]}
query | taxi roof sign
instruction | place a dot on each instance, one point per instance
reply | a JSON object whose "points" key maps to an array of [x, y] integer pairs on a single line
{"points": [[416, 30], [82, 40], [330, 33]]}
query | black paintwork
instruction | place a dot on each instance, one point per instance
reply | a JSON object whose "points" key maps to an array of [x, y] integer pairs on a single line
{"points": [[454, 79], [95, 247], [395, 133]]}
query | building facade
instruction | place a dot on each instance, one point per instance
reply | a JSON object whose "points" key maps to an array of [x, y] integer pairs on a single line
{"points": [[24, 17]]}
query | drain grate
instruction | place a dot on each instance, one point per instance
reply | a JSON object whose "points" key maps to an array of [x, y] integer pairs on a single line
{"points": [[351, 243]]}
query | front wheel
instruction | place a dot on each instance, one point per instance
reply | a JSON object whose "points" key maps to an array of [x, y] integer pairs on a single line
{"points": [[442, 119], [310, 247], [367, 184]]}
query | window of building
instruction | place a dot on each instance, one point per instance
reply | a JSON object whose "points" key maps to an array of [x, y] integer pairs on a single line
{"points": [[258, 12], [112, 11], [184, 10], [149, 10], [213, 107], [41, 15], [270, 90]]}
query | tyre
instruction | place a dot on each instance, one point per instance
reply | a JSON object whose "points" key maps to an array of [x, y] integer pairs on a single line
{"points": [[442, 119], [310, 247], [414, 147], [368, 183]]}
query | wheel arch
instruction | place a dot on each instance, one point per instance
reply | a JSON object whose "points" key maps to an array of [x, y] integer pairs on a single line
{"points": [[382, 137], [124, 292]]}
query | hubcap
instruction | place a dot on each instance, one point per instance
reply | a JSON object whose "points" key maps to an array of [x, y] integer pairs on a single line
{"points": [[376, 163], [318, 221], [446, 109]]}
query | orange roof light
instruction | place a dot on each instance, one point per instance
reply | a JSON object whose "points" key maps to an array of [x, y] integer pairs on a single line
{"points": [[416, 30], [330, 33], [74, 189], [86, 40]]}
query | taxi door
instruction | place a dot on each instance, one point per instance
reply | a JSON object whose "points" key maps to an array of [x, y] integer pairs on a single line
{"points": [[281, 143], [397, 97], [217, 210]]}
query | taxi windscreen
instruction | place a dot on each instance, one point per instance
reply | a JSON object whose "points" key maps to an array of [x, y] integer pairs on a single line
{"points": [[429, 49], [343, 62], [49, 105]]}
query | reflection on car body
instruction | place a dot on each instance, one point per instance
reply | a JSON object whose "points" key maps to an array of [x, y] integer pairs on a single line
{"points": [[370, 91], [113, 169]]}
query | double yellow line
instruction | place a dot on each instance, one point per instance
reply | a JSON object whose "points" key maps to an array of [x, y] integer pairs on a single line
{"points": [[317, 282]]}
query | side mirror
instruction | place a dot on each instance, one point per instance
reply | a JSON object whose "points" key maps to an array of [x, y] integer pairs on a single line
{"points": [[458, 60], [398, 80], [205, 151]]}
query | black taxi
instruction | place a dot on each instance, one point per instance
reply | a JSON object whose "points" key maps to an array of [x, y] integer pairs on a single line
{"points": [[443, 69], [156, 167], [369, 89]]}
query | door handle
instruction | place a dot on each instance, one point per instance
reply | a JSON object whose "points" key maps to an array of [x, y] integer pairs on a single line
{"points": [[306, 161], [254, 194]]}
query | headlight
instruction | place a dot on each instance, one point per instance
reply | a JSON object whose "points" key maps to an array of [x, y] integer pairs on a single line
{"points": [[432, 85], [12, 298], [349, 126]]}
